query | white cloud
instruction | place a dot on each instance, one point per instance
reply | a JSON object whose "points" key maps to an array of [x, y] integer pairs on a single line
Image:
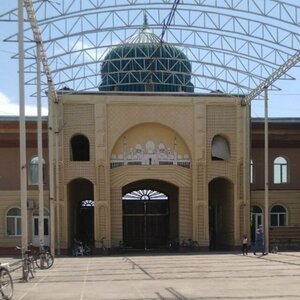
{"points": [[10, 108]]}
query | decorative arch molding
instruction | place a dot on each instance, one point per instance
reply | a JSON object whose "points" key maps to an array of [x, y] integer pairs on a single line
{"points": [[225, 178], [150, 144], [257, 208], [123, 176], [82, 179]]}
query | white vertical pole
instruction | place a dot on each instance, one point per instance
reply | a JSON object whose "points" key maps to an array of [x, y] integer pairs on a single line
{"points": [[51, 171], [57, 179], [23, 168], [40, 147], [245, 167], [266, 221]]}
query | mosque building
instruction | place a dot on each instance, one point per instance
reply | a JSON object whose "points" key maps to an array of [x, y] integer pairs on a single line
{"points": [[148, 162]]}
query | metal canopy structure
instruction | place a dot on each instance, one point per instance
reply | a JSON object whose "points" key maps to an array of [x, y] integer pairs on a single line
{"points": [[234, 46]]}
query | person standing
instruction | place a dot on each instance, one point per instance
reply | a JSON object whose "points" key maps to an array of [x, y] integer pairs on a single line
{"points": [[245, 245], [259, 241]]}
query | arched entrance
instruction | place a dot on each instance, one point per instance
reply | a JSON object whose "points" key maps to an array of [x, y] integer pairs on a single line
{"points": [[221, 214], [81, 210], [150, 214]]}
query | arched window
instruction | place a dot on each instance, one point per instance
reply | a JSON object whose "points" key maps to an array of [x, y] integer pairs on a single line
{"points": [[80, 148], [278, 216], [145, 195], [251, 171], [87, 203], [13, 222], [220, 149], [34, 170], [280, 170]]}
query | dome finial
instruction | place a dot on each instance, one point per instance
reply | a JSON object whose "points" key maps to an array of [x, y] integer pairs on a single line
{"points": [[145, 25]]}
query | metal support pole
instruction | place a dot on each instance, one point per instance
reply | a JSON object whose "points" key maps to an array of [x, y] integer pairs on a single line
{"points": [[51, 171], [40, 147], [245, 168], [266, 219], [22, 128], [57, 178]]}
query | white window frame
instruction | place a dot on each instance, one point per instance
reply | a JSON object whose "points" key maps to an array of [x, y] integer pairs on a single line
{"points": [[251, 171], [16, 221], [34, 170], [280, 169], [278, 214]]}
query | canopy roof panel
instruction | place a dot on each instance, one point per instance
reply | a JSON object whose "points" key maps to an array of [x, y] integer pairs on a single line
{"points": [[232, 45]]}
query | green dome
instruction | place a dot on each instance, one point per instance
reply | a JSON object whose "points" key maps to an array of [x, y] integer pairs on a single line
{"points": [[144, 63]]}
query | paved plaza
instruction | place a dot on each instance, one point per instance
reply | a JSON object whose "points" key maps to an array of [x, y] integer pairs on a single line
{"points": [[163, 276]]}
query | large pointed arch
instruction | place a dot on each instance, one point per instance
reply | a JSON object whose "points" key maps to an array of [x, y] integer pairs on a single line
{"points": [[221, 213], [150, 214], [150, 144], [80, 210]]}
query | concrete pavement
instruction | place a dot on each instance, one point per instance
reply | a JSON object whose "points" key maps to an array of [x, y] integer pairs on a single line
{"points": [[161, 276]]}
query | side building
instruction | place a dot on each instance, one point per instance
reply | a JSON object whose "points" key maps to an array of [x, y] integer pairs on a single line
{"points": [[283, 181]]}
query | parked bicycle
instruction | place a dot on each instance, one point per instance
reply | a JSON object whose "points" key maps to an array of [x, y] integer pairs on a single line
{"points": [[27, 264], [189, 244], [6, 284], [173, 244], [43, 259], [81, 249]]}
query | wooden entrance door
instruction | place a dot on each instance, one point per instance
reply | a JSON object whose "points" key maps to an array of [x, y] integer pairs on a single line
{"points": [[145, 223]]}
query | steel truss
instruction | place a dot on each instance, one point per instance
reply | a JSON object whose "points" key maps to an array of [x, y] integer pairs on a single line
{"points": [[234, 45]]}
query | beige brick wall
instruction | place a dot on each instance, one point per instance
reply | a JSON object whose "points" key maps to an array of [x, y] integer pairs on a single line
{"points": [[289, 199], [11, 199], [78, 119], [104, 119]]}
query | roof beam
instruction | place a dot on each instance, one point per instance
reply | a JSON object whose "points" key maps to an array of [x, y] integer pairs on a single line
{"points": [[291, 62], [38, 39]]}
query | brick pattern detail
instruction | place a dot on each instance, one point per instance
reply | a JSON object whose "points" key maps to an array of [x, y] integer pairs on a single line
{"points": [[79, 119], [178, 176], [102, 222], [101, 183], [116, 216], [100, 132], [178, 117], [241, 181], [222, 120], [185, 213], [241, 223], [200, 182], [200, 222]]}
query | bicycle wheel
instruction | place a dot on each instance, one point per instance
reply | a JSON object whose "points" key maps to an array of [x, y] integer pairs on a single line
{"points": [[6, 284], [44, 260]]}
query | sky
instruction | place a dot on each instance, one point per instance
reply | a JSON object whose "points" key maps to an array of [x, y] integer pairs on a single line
{"points": [[284, 103]]}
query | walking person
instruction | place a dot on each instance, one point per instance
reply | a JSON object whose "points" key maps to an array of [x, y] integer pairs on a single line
{"points": [[245, 245], [259, 241]]}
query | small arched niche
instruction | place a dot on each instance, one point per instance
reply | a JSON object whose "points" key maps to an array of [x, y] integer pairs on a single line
{"points": [[220, 149], [79, 148]]}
